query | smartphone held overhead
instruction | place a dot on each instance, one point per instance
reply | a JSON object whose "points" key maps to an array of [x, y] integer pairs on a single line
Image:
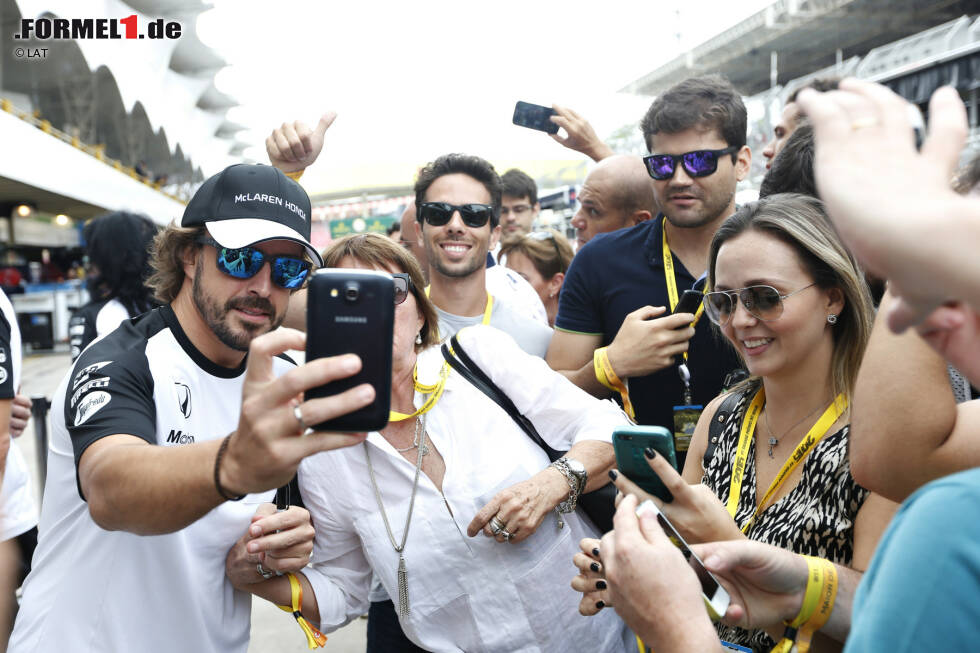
{"points": [[535, 116], [353, 312]]}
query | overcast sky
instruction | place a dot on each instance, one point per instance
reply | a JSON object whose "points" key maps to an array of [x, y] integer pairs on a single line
{"points": [[413, 80]]}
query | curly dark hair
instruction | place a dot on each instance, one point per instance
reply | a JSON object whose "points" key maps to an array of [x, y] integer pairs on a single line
{"points": [[466, 164], [708, 102], [118, 247]]}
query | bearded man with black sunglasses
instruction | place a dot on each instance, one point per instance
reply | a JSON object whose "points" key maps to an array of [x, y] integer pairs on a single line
{"points": [[163, 426], [615, 320]]}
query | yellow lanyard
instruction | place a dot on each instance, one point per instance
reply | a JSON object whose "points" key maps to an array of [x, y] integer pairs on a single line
{"points": [[487, 312], [434, 392], [672, 280], [813, 437]]}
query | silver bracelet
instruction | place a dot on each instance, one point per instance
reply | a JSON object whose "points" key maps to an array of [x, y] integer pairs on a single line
{"points": [[568, 505]]}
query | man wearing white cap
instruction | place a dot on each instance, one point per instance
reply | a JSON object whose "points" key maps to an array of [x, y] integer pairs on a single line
{"points": [[169, 433]]}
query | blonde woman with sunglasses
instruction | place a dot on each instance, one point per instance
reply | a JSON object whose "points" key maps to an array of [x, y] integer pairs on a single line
{"points": [[791, 300]]}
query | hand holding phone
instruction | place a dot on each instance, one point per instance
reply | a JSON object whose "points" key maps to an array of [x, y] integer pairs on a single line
{"points": [[689, 302], [629, 443], [535, 116], [715, 597], [353, 312]]}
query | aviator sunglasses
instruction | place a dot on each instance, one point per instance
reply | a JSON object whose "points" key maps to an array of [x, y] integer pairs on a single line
{"points": [[762, 302], [699, 163], [289, 272], [439, 213]]}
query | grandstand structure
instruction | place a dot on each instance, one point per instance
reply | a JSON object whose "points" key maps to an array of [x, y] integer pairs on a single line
{"points": [[912, 46], [97, 125]]}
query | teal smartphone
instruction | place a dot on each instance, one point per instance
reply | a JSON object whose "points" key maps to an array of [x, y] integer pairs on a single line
{"points": [[629, 442]]}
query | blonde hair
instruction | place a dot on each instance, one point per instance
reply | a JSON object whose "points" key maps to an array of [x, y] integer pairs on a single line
{"points": [[381, 252], [800, 222], [548, 255]]}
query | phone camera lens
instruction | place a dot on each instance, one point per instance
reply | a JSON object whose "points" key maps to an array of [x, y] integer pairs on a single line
{"points": [[351, 292]]}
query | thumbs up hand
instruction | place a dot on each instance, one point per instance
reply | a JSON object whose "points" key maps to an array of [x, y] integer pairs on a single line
{"points": [[293, 147]]}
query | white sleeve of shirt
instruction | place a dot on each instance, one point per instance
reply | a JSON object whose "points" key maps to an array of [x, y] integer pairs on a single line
{"points": [[517, 292], [562, 413], [338, 571]]}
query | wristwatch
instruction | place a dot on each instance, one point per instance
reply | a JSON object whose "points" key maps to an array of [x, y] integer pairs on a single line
{"points": [[574, 472]]}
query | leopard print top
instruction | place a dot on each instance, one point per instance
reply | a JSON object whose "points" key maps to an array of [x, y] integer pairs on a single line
{"points": [[816, 518]]}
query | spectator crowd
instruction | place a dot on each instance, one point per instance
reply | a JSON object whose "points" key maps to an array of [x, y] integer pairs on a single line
{"points": [[817, 405]]}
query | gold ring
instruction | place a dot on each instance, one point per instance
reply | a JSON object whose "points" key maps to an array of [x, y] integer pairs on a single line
{"points": [[861, 123]]}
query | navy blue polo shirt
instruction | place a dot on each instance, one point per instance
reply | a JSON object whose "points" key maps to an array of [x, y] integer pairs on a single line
{"points": [[618, 272]]}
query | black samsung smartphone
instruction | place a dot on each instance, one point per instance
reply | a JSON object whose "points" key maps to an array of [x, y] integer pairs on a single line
{"points": [[353, 312], [629, 443], [535, 116], [689, 301]]}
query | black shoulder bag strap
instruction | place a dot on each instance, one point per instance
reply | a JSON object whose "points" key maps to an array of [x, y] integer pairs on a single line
{"points": [[599, 504], [718, 425], [462, 363]]}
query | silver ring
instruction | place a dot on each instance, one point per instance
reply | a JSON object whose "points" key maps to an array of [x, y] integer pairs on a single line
{"points": [[496, 526], [507, 536], [298, 414], [263, 572]]}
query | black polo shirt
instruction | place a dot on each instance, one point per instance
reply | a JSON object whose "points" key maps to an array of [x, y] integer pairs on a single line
{"points": [[619, 272]]}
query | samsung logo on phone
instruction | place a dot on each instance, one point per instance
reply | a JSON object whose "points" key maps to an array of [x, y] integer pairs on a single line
{"points": [[350, 318]]}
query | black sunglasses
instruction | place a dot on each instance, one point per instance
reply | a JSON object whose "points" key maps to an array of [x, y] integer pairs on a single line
{"points": [[699, 163], [403, 285], [439, 213], [289, 272]]}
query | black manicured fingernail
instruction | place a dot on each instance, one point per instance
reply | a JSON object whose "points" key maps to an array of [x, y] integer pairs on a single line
{"points": [[594, 566], [650, 453], [600, 584], [595, 552], [613, 474], [600, 605]]}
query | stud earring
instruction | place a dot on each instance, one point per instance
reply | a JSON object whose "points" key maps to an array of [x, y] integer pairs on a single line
{"points": [[418, 338], [832, 319]]}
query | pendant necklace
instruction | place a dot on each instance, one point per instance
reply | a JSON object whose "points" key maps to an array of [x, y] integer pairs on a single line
{"points": [[402, 573], [773, 440]]}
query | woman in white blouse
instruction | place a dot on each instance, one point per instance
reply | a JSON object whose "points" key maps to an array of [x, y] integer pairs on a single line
{"points": [[485, 555]]}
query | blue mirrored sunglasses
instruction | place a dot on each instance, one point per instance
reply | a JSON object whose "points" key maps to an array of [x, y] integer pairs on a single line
{"points": [[289, 272], [699, 163]]}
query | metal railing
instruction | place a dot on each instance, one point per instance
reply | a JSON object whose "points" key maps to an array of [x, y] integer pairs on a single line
{"points": [[95, 151]]}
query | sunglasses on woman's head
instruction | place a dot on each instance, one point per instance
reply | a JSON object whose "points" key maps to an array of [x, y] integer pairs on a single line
{"points": [[545, 235], [762, 302], [439, 213], [289, 272], [403, 286], [698, 163]]}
